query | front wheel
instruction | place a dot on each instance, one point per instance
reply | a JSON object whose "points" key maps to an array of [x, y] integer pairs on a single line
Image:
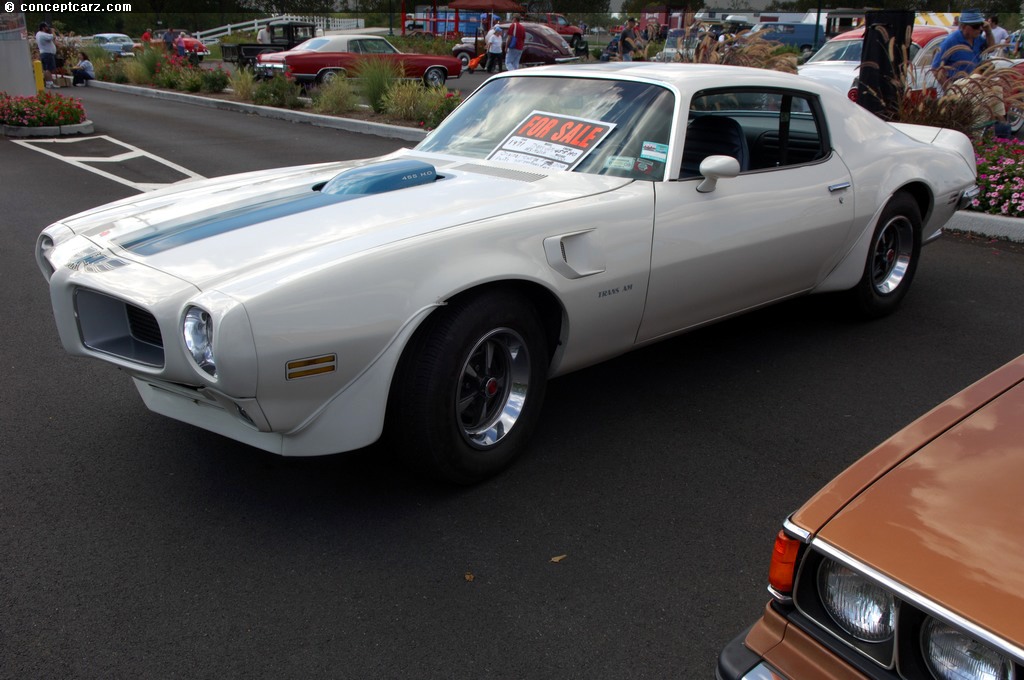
{"points": [[435, 77], [469, 388], [892, 258], [464, 58]]}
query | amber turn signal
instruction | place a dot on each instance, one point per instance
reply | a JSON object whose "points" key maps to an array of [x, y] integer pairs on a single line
{"points": [[783, 566]]}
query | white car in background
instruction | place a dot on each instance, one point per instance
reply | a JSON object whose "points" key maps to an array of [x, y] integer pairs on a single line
{"points": [[837, 63]]}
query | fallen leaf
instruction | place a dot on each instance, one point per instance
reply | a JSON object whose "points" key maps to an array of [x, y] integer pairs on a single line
{"points": [[558, 558], [469, 576]]}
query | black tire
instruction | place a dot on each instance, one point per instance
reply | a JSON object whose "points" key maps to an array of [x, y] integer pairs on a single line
{"points": [[435, 76], [464, 58], [892, 259], [469, 388]]}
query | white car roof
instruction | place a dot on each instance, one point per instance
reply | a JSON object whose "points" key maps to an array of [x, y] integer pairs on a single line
{"points": [[683, 77]]}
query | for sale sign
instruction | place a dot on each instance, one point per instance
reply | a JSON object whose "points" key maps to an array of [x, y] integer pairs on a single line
{"points": [[552, 141]]}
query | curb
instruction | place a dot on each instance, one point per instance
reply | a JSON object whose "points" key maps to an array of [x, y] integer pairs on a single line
{"points": [[83, 128], [347, 124], [983, 224]]}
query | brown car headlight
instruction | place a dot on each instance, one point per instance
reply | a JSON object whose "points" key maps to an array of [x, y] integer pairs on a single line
{"points": [[952, 655], [859, 606]]}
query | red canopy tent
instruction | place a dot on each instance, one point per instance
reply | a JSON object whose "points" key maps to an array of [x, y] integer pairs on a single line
{"points": [[491, 6]]}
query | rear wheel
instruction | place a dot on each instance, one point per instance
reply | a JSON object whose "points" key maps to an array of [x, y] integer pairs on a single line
{"points": [[435, 77], [892, 258], [469, 388]]}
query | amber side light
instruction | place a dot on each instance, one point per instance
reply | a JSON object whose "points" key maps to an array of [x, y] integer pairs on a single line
{"points": [[783, 566]]}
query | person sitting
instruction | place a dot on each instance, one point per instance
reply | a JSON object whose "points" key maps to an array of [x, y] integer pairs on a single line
{"points": [[84, 72]]}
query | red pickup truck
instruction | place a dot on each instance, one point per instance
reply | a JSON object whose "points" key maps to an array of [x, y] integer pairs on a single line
{"points": [[571, 33]]}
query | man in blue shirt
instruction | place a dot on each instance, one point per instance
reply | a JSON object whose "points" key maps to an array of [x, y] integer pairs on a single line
{"points": [[960, 52]]}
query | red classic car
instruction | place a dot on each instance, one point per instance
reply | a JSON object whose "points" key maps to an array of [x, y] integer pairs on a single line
{"points": [[319, 60], [193, 46]]}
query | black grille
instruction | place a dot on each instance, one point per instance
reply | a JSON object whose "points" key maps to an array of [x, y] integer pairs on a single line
{"points": [[143, 326]]}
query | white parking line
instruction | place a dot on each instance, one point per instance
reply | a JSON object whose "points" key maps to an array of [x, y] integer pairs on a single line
{"points": [[132, 152]]}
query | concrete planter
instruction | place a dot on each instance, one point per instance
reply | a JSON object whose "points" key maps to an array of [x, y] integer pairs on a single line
{"points": [[83, 128], [983, 224]]}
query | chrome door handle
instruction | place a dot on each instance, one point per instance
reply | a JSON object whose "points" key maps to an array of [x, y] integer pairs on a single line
{"points": [[832, 188]]}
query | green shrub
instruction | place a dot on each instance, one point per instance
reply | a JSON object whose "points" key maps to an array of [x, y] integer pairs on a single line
{"points": [[148, 59], [111, 71], [190, 79], [136, 72], [407, 100], [279, 91], [376, 77], [214, 80], [335, 97], [443, 102], [243, 84], [426, 105]]}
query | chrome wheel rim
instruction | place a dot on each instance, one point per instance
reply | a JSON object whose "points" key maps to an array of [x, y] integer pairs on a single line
{"points": [[434, 78], [892, 253], [492, 388]]}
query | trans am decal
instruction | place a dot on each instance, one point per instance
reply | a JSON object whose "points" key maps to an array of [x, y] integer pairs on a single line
{"points": [[551, 140]]}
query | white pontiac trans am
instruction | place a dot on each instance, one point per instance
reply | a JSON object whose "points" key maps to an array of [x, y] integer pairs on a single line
{"points": [[559, 217]]}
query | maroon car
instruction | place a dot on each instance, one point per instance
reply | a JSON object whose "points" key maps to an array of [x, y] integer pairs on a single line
{"points": [[543, 46], [319, 60]]}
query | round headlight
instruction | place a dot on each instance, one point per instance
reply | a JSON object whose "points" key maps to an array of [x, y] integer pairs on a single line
{"points": [[951, 655], [861, 607], [198, 331]]}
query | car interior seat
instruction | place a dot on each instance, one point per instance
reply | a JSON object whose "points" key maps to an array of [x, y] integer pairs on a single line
{"points": [[713, 136]]}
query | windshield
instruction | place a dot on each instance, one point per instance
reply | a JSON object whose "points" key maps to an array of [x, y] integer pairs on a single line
{"points": [[838, 50], [603, 127]]}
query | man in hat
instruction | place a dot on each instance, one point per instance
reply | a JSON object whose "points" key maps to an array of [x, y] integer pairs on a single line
{"points": [[627, 40], [47, 53], [960, 52]]}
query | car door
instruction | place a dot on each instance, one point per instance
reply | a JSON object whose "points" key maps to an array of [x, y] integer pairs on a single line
{"points": [[773, 231]]}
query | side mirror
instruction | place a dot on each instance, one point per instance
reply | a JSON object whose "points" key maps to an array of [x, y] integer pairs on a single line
{"points": [[714, 168]]}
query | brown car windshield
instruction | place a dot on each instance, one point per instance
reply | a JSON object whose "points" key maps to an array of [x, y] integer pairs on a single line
{"points": [[639, 116]]}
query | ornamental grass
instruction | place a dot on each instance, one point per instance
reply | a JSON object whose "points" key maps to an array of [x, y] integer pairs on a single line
{"points": [[40, 110]]}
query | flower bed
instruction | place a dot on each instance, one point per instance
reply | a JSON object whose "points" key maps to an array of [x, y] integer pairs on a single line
{"points": [[1000, 176], [43, 110]]}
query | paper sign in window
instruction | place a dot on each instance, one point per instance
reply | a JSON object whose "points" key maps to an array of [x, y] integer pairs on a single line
{"points": [[551, 140]]}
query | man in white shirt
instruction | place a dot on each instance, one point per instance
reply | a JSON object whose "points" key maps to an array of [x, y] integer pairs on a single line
{"points": [[47, 53], [263, 37]]}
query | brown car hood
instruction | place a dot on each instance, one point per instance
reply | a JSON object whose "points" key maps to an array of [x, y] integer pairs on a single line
{"points": [[938, 506]]}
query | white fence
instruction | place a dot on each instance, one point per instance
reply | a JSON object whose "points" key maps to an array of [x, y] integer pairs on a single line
{"points": [[323, 23]]}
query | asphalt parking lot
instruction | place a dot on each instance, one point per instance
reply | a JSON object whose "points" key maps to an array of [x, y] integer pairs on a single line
{"points": [[631, 542]]}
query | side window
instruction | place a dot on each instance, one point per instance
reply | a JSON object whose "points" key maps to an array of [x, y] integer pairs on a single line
{"points": [[762, 130]]}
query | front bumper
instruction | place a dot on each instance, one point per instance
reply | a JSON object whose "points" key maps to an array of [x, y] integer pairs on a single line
{"points": [[775, 649], [967, 196], [737, 662]]}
